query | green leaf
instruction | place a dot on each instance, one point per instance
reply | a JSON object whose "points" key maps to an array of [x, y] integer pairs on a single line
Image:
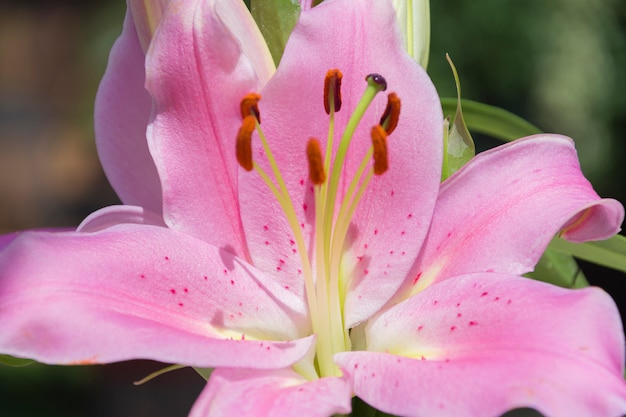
{"points": [[560, 269], [490, 120], [362, 409], [159, 373], [204, 372], [458, 145], [11, 361], [276, 19], [610, 253]]}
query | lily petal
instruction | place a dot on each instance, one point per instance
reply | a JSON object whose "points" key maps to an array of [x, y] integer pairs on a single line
{"points": [[197, 73], [115, 215], [7, 238], [122, 111], [391, 216], [283, 392], [482, 344], [137, 291], [237, 18], [146, 15], [500, 211]]}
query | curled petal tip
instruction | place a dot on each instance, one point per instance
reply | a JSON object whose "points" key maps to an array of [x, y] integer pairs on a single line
{"points": [[600, 220]]}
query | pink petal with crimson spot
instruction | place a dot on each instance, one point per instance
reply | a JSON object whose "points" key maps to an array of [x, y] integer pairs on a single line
{"points": [[137, 291], [482, 344], [500, 211], [394, 212], [197, 72]]}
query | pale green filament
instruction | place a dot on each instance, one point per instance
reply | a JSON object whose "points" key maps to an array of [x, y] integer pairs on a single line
{"points": [[331, 131], [327, 342], [284, 199], [328, 283], [329, 150], [346, 212]]}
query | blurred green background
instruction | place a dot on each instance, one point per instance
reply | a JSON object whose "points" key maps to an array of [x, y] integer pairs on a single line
{"points": [[558, 63]]}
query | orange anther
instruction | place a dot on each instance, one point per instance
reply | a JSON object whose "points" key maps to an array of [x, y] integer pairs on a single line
{"points": [[332, 90], [244, 142], [379, 141], [316, 163], [250, 106], [390, 117]]}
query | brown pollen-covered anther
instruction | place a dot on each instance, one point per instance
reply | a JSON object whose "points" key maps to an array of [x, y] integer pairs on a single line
{"points": [[379, 142], [244, 142], [250, 106], [390, 117], [332, 90], [317, 175]]}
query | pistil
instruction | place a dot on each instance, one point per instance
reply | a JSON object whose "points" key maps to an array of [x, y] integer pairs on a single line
{"points": [[325, 290], [335, 338], [375, 84]]}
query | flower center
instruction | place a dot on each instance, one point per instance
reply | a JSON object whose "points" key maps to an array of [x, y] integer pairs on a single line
{"points": [[324, 284]]}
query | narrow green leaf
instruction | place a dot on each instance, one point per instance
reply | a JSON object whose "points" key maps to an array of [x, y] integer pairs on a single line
{"points": [[11, 361], [490, 120], [204, 372], [276, 19], [458, 146], [159, 373], [560, 269], [610, 253]]}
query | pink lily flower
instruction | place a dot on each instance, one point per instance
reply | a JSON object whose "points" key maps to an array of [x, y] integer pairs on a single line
{"points": [[305, 277]]}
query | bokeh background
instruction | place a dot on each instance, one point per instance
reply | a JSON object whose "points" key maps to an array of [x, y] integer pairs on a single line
{"points": [[558, 63]]}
